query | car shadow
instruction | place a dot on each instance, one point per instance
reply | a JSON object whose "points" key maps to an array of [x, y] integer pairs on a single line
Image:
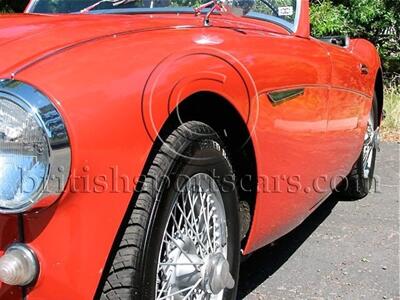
{"points": [[265, 262]]}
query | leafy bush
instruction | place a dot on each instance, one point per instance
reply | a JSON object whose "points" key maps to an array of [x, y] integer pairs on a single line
{"points": [[328, 19], [375, 20]]}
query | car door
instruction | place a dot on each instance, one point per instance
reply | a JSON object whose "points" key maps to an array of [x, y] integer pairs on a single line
{"points": [[347, 103], [293, 76]]}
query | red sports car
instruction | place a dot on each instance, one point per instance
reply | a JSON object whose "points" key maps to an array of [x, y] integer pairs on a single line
{"points": [[145, 146]]}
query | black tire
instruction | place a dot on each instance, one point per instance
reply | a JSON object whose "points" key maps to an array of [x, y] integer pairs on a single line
{"points": [[134, 267], [356, 186]]}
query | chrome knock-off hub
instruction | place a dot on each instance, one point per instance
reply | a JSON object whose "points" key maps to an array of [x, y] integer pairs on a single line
{"points": [[193, 258], [216, 276]]}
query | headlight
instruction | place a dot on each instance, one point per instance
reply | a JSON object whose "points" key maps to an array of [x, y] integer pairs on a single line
{"points": [[34, 148]]}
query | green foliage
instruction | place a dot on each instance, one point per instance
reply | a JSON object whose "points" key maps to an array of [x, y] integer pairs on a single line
{"points": [[375, 20], [328, 19]]}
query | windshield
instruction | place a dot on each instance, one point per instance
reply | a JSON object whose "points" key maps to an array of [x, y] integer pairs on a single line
{"points": [[283, 12]]}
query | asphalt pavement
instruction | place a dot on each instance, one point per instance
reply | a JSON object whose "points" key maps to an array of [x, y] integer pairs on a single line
{"points": [[344, 250]]}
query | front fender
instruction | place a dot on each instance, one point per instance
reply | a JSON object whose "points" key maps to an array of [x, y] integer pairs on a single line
{"points": [[113, 109]]}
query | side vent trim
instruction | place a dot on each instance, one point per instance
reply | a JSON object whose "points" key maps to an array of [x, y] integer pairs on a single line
{"points": [[278, 97]]}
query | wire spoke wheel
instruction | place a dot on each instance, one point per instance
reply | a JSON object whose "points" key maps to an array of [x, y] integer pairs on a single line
{"points": [[182, 240], [193, 261], [361, 177], [371, 142]]}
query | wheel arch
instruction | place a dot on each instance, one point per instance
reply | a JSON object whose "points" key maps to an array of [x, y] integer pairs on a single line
{"points": [[206, 107]]}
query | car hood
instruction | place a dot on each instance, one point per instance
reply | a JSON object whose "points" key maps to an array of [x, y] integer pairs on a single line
{"points": [[26, 38]]}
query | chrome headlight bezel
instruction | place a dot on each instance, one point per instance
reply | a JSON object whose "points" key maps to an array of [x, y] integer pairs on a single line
{"points": [[41, 107]]}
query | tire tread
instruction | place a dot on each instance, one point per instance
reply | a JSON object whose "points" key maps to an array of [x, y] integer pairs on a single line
{"points": [[123, 280]]}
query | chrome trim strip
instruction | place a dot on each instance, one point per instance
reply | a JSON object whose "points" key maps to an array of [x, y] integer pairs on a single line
{"points": [[30, 6], [34, 101], [278, 97], [298, 14]]}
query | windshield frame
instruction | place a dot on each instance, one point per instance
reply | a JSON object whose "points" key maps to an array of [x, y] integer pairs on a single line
{"points": [[290, 27]]}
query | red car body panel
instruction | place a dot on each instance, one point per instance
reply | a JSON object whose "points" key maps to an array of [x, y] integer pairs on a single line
{"points": [[116, 79]]}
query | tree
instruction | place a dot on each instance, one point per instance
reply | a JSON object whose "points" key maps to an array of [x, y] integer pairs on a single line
{"points": [[375, 20]]}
